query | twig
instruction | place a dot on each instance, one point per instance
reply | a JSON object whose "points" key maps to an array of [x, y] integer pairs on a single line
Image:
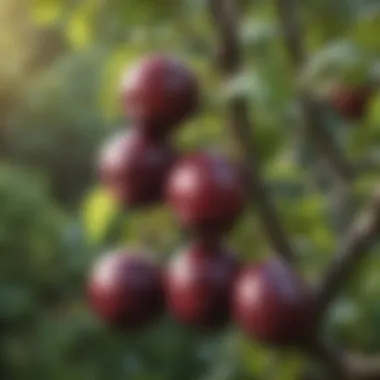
{"points": [[351, 366], [315, 130], [225, 14], [362, 367], [348, 365], [357, 243]]}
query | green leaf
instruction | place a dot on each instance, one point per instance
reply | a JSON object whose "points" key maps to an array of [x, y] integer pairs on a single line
{"points": [[98, 211]]}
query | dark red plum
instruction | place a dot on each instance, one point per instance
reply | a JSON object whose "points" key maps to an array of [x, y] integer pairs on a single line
{"points": [[134, 168], [351, 101], [207, 192], [125, 289], [273, 305], [159, 93], [199, 285]]}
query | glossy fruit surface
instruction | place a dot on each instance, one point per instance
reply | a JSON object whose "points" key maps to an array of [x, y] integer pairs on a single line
{"points": [[273, 305], [199, 284], [134, 168], [350, 101], [159, 93], [207, 192], [125, 289]]}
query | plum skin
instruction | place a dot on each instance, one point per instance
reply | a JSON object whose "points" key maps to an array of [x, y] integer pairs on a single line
{"points": [[199, 284], [125, 289], [207, 192], [273, 305], [134, 168], [351, 101], [159, 93]]}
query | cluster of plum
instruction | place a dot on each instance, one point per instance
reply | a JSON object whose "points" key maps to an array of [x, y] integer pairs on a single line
{"points": [[204, 285]]}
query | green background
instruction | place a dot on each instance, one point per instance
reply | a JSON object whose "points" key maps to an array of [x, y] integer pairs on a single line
{"points": [[60, 66]]}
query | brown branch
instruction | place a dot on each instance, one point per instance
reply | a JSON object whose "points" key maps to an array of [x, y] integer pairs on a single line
{"points": [[315, 129], [362, 367], [357, 243], [224, 14], [350, 366]]}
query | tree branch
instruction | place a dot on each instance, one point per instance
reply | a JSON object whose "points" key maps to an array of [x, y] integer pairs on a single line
{"points": [[362, 367], [224, 14], [355, 246], [353, 366], [329, 152]]}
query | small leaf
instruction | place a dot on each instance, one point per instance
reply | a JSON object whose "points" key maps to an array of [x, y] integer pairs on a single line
{"points": [[98, 211]]}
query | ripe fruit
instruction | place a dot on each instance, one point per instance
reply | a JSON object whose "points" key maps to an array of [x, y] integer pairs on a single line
{"points": [[199, 284], [207, 193], [273, 305], [159, 93], [125, 289], [134, 168], [351, 102]]}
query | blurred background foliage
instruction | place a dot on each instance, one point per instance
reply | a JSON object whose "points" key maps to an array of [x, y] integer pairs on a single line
{"points": [[60, 67]]}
